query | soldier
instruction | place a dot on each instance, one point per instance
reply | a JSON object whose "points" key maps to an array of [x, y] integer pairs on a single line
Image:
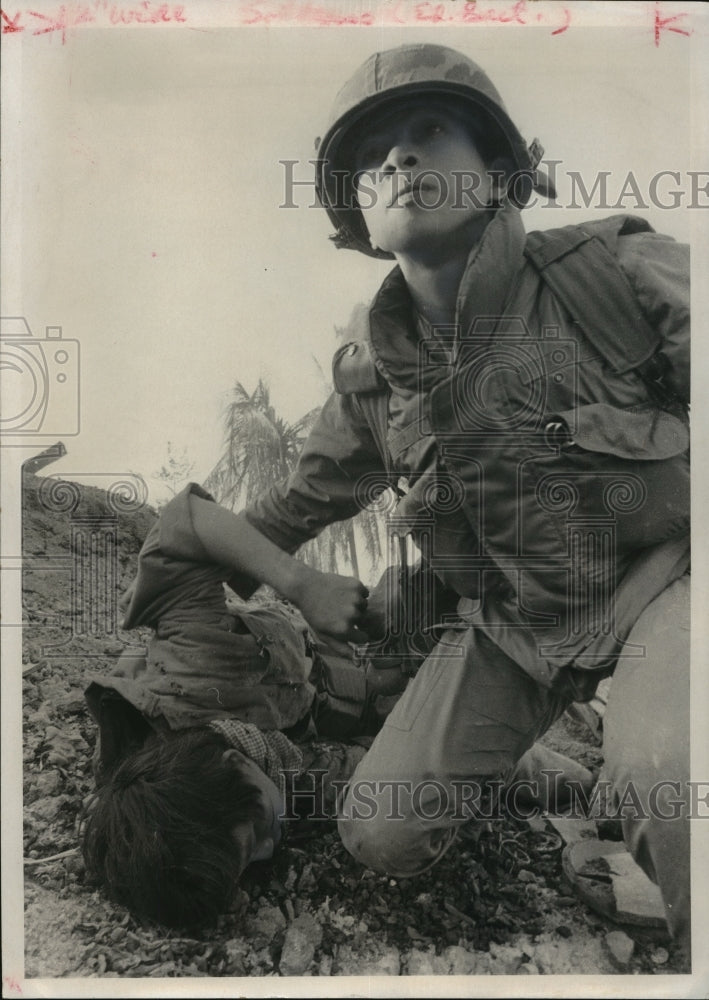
{"points": [[530, 393]]}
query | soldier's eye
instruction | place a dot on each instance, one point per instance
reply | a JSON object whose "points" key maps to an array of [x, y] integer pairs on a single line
{"points": [[432, 127], [371, 155]]}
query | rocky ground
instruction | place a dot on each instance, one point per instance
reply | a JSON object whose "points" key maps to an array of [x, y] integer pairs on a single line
{"points": [[497, 903]]}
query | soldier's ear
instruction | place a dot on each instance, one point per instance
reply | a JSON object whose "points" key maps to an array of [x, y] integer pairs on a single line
{"points": [[499, 170], [372, 244]]}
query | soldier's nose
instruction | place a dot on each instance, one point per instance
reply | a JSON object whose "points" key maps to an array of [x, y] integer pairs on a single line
{"points": [[400, 158]]}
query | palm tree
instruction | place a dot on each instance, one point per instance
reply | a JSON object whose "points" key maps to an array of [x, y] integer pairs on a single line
{"points": [[260, 449]]}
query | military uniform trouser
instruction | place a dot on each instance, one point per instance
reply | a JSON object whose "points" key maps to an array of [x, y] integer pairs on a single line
{"points": [[470, 713]]}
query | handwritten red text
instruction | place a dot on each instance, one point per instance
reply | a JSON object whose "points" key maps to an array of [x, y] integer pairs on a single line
{"points": [[67, 17], [666, 24]]}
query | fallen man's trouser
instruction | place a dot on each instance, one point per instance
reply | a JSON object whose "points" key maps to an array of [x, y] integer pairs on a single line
{"points": [[465, 718]]}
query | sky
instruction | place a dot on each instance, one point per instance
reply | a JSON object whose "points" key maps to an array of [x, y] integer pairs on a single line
{"points": [[145, 215]]}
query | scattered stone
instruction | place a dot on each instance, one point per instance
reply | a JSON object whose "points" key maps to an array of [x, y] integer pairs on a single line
{"points": [[563, 931], [265, 926], [302, 938], [74, 864], [41, 717], [46, 783], [239, 902], [458, 914], [307, 882], [659, 956], [377, 960], [506, 959], [528, 969], [578, 955], [525, 876], [71, 701], [260, 962], [423, 963], [54, 945], [388, 964], [46, 810], [462, 962], [620, 946]]}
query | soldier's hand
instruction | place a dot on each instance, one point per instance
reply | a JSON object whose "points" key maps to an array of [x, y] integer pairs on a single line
{"points": [[334, 606], [382, 605]]}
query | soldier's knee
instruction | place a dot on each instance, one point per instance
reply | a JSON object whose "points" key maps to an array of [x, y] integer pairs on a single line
{"points": [[396, 848], [387, 835]]}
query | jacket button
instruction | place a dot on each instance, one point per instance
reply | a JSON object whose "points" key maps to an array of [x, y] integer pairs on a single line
{"points": [[556, 434]]}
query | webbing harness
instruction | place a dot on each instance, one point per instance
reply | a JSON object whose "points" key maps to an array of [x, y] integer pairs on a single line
{"points": [[580, 266]]}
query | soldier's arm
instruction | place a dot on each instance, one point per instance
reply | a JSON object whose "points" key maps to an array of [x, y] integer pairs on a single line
{"points": [[326, 484], [658, 269], [332, 605]]}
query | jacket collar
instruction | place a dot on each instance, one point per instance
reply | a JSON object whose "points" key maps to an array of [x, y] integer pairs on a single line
{"points": [[492, 270], [485, 289]]}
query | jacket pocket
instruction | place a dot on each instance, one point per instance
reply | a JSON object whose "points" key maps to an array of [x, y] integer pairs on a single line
{"points": [[638, 433], [627, 465]]}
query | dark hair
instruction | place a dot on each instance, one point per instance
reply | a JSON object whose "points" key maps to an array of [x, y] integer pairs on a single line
{"points": [[159, 836]]}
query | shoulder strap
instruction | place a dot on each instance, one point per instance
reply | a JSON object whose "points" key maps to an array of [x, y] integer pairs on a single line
{"points": [[375, 406], [579, 264], [354, 368], [354, 371]]}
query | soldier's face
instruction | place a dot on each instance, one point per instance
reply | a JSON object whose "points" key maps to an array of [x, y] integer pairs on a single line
{"points": [[420, 180]]}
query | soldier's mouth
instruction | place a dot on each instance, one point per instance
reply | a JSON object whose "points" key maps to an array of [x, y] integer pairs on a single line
{"points": [[423, 195]]}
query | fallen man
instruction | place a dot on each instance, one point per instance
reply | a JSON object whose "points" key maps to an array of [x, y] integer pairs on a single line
{"points": [[210, 742]]}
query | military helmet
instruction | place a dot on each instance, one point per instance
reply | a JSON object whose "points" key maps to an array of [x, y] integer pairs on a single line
{"points": [[403, 72]]}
